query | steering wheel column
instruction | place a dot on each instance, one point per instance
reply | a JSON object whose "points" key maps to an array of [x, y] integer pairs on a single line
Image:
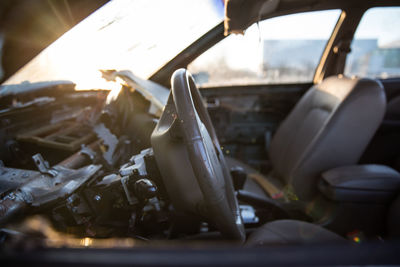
{"points": [[191, 162]]}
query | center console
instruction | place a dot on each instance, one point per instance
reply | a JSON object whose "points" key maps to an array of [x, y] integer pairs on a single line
{"points": [[358, 198]]}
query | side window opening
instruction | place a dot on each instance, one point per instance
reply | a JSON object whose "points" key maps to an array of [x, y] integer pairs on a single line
{"points": [[285, 49], [375, 50]]}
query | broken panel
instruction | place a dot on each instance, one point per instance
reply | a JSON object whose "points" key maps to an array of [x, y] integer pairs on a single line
{"points": [[66, 135]]}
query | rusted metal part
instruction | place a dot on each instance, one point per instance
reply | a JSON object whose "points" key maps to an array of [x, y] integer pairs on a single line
{"points": [[43, 190], [46, 189], [79, 159], [11, 205], [43, 166], [11, 179]]}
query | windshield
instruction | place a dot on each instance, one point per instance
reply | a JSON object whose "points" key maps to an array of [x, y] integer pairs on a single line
{"points": [[140, 36]]}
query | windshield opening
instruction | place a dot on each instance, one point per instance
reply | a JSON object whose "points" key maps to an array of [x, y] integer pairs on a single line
{"points": [[140, 36]]}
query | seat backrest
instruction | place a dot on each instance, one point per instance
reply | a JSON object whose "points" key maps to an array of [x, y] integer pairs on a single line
{"points": [[330, 126], [393, 109], [393, 220]]}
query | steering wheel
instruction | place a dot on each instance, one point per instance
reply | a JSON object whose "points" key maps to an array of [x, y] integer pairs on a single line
{"points": [[185, 118]]}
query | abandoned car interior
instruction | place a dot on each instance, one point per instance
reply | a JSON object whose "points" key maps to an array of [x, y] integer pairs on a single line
{"points": [[166, 152]]}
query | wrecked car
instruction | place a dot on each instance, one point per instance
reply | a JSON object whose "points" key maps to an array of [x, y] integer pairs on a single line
{"points": [[153, 123]]}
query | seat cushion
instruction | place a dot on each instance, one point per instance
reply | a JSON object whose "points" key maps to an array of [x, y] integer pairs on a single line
{"points": [[291, 232]]}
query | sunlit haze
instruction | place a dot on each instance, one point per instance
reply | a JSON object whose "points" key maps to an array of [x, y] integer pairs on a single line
{"points": [[140, 36]]}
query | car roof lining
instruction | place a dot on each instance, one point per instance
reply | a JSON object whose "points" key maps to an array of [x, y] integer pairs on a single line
{"points": [[241, 14]]}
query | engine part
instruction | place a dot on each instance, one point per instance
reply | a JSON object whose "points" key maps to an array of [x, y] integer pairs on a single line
{"points": [[88, 152], [136, 164], [110, 141], [248, 214], [145, 189], [11, 179], [43, 189], [79, 159], [11, 205], [43, 166]]}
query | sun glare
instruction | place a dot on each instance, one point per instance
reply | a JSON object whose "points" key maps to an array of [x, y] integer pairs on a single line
{"points": [[140, 36]]}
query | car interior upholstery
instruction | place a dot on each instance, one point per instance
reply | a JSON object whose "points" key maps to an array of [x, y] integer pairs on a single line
{"points": [[326, 129]]}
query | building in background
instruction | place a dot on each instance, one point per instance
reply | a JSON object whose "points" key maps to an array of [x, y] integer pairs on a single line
{"points": [[367, 58]]}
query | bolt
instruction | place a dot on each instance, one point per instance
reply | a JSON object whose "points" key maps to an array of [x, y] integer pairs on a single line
{"points": [[97, 197], [73, 200], [70, 200], [11, 196]]}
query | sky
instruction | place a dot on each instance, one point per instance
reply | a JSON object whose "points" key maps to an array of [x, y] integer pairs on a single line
{"points": [[377, 23], [382, 24], [245, 51]]}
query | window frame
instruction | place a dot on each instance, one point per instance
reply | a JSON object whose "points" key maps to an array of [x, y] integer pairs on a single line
{"points": [[355, 31], [319, 67], [331, 63]]}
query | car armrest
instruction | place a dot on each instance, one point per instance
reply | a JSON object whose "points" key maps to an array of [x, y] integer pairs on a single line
{"points": [[360, 183]]}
